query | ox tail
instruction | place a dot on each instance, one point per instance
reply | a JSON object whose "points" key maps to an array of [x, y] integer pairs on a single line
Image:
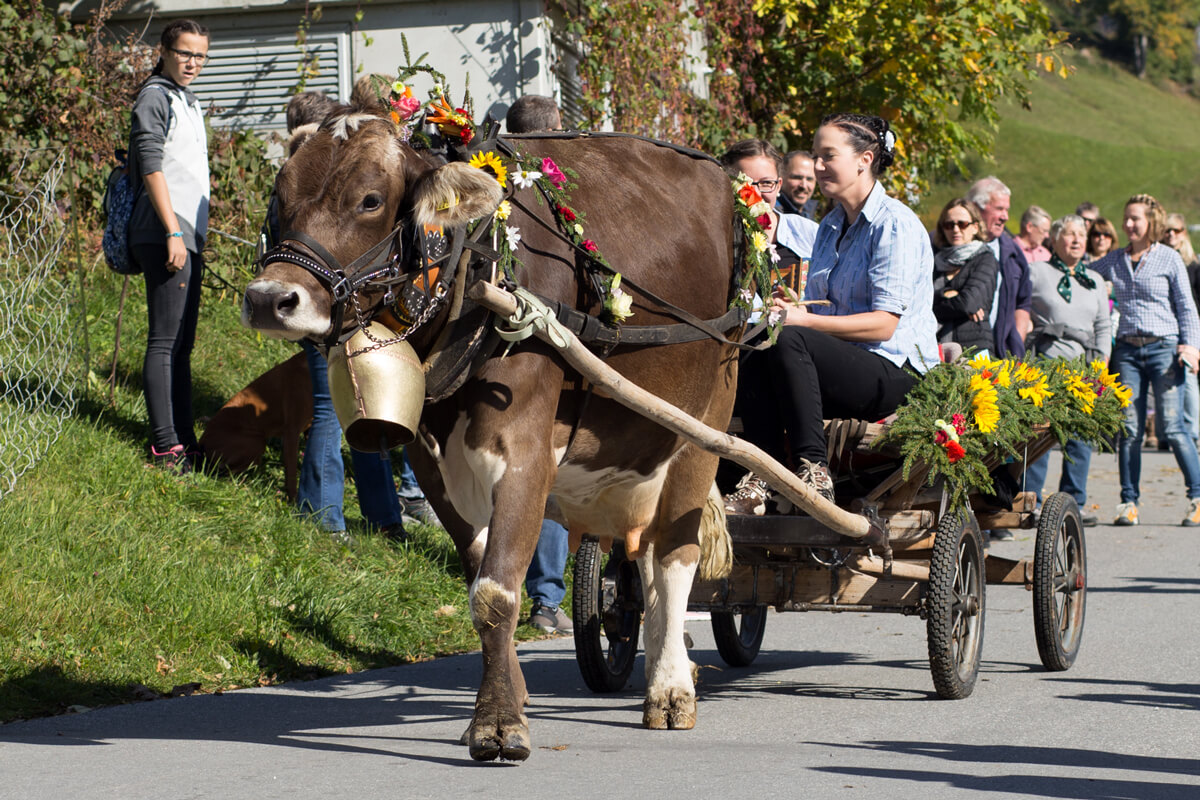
{"points": [[716, 546]]}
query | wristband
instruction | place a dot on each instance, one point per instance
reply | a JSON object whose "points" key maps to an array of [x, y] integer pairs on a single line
{"points": [[176, 233]]}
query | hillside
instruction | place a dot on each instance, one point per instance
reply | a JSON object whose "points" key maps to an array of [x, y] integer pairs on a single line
{"points": [[1101, 135]]}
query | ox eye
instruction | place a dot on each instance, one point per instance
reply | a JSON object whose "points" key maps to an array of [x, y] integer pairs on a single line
{"points": [[372, 201]]}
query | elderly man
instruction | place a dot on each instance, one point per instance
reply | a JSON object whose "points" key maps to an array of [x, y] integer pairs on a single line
{"points": [[1010, 317], [799, 185]]}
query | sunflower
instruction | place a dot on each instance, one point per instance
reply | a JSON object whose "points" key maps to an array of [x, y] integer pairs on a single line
{"points": [[490, 162], [981, 361], [984, 403], [1082, 391], [1124, 394], [1036, 393]]}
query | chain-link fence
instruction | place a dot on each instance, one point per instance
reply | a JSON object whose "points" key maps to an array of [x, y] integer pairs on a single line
{"points": [[37, 391]]}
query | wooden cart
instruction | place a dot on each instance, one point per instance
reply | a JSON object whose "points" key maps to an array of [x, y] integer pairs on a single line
{"points": [[931, 563]]}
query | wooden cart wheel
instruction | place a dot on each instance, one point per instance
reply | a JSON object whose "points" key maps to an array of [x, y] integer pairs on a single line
{"points": [[954, 602], [1059, 582], [739, 636], [607, 606]]}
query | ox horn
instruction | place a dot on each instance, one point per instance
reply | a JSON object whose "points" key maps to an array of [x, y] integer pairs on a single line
{"points": [[377, 392]]}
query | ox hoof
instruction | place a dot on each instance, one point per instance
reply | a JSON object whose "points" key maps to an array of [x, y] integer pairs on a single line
{"points": [[673, 712], [510, 742]]}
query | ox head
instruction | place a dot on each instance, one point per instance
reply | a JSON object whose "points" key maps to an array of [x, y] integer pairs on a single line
{"points": [[343, 197]]}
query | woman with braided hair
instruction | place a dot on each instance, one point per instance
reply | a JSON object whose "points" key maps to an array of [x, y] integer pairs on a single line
{"points": [[1156, 347], [873, 263]]}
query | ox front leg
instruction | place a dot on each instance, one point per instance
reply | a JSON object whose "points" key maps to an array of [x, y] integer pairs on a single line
{"points": [[670, 675], [499, 728]]}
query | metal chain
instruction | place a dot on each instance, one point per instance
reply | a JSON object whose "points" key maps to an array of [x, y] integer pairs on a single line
{"points": [[379, 344]]}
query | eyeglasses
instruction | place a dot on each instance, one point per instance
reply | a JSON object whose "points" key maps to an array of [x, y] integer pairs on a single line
{"points": [[766, 185], [1175, 231], [1098, 234], [184, 56], [961, 224]]}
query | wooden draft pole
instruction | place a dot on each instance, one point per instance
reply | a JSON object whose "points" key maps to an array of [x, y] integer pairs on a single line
{"points": [[526, 316]]}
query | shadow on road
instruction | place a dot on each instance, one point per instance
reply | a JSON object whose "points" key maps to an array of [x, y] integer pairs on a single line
{"points": [[1046, 786], [1142, 585]]}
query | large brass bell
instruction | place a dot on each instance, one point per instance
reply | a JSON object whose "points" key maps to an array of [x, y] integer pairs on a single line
{"points": [[377, 391]]}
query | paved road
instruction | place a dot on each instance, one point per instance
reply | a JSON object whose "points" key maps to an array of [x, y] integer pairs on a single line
{"points": [[835, 706]]}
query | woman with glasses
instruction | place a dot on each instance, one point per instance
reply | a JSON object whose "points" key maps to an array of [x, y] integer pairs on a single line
{"points": [[858, 356], [1156, 346], [1070, 319], [1102, 237], [964, 277], [168, 165], [792, 235]]}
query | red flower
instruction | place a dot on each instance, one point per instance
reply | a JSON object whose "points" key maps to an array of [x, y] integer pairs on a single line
{"points": [[749, 194], [566, 213], [954, 451], [764, 221], [589, 245], [959, 423], [941, 437], [467, 135]]}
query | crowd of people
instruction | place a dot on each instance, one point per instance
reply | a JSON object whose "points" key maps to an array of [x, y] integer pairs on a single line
{"points": [[1058, 288], [892, 293]]}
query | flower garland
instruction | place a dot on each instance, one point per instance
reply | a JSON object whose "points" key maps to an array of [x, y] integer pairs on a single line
{"points": [[995, 407], [554, 183], [757, 277]]}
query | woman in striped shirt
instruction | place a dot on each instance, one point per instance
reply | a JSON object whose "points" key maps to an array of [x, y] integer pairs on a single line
{"points": [[1156, 346]]}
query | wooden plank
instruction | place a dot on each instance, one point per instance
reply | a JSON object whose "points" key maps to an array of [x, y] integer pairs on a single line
{"points": [[779, 585], [999, 570]]}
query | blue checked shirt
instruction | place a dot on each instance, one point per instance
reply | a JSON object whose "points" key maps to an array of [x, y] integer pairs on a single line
{"points": [[884, 263], [1156, 298]]}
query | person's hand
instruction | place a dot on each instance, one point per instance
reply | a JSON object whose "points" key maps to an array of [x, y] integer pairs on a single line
{"points": [[791, 313], [1024, 321], [176, 253], [1190, 356], [978, 316]]}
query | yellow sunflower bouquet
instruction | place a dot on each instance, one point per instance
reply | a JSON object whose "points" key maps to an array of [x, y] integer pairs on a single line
{"points": [[960, 415]]}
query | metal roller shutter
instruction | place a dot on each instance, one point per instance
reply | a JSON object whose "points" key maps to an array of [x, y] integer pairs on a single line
{"points": [[250, 78]]}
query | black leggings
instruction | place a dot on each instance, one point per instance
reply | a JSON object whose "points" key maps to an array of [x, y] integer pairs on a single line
{"points": [[790, 389], [173, 300]]}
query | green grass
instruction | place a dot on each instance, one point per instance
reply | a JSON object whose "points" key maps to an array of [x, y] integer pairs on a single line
{"points": [[1101, 135], [115, 575]]}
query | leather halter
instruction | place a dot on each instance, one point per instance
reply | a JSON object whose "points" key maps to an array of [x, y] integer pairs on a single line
{"points": [[379, 266]]}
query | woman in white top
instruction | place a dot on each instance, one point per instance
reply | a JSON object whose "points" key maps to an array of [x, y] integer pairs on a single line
{"points": [[168, 158]]}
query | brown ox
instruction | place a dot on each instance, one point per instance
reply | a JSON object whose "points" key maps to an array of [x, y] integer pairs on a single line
{"points": [[490, 454]]}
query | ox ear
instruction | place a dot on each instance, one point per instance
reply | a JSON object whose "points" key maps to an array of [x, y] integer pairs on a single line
{"points": [[300, 136], [454, 194]]}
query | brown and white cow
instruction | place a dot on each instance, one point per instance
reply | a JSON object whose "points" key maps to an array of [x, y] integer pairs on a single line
{"points": [[490, 454]]}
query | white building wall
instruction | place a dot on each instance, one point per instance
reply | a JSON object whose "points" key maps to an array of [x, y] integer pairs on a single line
{"points": [[501, 46]]}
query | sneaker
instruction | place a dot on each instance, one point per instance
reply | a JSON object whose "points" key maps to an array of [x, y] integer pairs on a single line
{"points": [[1002, 535], [395, 533], [173, 459], [1192, 519], [750, 497], [1089, 519], [551, 620], [1127, 514], [418, 512], [817, 476], [342, 537]]}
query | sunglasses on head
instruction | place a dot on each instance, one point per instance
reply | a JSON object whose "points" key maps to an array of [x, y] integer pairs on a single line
{"points": [[961, 224]]}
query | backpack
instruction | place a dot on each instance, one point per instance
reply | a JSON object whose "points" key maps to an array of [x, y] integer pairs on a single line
{"points": [[118, 208]]}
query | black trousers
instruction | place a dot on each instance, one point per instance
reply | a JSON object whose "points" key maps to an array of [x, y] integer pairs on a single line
{"points": [[173, 300], [786, 392]]}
